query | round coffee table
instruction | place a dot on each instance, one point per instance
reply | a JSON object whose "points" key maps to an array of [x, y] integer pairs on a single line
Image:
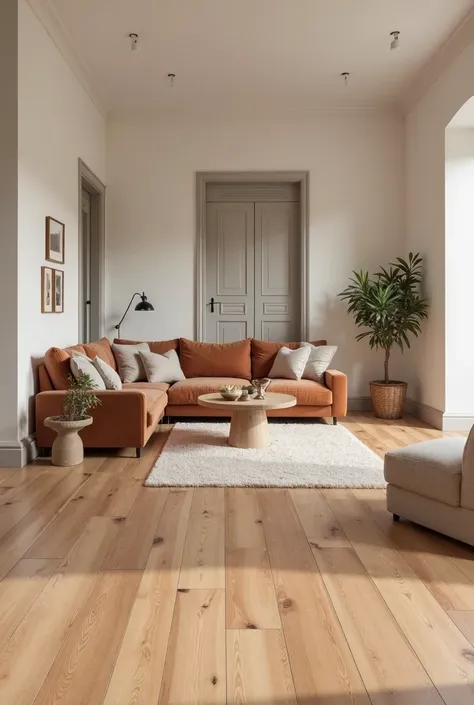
{"points": [[249, 424]]}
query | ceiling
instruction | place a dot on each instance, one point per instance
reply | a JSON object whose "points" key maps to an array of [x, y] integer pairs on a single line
{"points": [[252, 55]]}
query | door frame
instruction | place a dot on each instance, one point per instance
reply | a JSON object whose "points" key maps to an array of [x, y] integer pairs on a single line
{"points": [[89, 182], [203, 178]]}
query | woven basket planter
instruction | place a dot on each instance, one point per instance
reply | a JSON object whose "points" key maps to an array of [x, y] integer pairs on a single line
{"points": [[388, 399]]}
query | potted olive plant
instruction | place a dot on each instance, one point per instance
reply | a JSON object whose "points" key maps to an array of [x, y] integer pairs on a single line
{"points": [[68, 448], [390, 306]]}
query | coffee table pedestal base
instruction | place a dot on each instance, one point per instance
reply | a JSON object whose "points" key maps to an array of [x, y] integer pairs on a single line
{"points": [[249, 429]]}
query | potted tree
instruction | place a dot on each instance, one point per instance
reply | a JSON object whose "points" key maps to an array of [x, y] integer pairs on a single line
{"points": [[390, 306], [68, 448]]}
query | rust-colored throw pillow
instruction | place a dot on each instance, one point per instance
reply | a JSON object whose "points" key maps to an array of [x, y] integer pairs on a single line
{"points": [[101, 348], [264, 354], [214, 359], [156, 346], [57, 363]]}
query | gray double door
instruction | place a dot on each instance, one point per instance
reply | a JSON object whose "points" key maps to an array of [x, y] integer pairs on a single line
{"points": [[252, 278]]}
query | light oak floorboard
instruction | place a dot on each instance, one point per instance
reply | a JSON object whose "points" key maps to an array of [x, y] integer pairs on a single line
{"points": [[195, 667], [320, 525], [28, 655], [250, 592], [444, 652], [465, 622], [19, 590], [321, 662], [80, 672], [133, 544], [243, 519], [258, 669], [204, 560], [138, 673]]}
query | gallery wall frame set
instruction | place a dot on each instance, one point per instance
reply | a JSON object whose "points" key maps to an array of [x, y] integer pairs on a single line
{"points": [[52, 290], [55, 240]]}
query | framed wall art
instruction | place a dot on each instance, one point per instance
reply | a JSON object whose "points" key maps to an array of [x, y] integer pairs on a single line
{"points": [[55, 234], [47, 303], [58, 278]]}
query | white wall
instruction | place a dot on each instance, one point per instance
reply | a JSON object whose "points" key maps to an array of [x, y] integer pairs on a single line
{"points": [[425, 197], [8, 216], [58, 124], [459, 259], [356, 164]]}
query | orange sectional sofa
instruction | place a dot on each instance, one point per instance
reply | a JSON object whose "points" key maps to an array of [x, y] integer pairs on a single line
{"points": [[128, 417]]}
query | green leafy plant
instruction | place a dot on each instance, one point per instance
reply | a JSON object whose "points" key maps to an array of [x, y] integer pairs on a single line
{"points": [[389, 304], [79, 397]]}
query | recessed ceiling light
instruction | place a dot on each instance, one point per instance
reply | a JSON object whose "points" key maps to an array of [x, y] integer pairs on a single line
{"points": [[395, 43]]}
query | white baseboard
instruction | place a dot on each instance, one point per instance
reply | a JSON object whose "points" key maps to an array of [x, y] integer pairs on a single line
{"points": [[457, 422], [428, 414], [17, 454], [359, 404]]}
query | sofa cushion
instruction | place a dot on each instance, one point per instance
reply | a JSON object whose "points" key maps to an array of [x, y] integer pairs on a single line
{"points": [[57, 363], [214, 359], [187, 392], [318, 361], [156, 346], [129, 362], [431, 469], [307, 392], [156, 401], [162, 386], [80, 365], [289, 364], [162, 368], [264, 353], [101, 348]]}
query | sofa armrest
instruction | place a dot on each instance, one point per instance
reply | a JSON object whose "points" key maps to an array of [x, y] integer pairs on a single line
{"points": [[467, 480], [120, 421], [337, 383]]}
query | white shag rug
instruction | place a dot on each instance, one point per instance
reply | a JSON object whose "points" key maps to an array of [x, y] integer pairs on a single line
{"points": [[300, 455]]}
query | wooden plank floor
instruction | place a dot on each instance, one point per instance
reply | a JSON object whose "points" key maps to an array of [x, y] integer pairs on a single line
{"points": [[116, 594]]}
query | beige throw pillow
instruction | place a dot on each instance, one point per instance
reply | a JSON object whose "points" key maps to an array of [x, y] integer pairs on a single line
{"points": [[129, 362], [109, 375], [319, 360], [290, 364], [81, 364], [162, 368]]}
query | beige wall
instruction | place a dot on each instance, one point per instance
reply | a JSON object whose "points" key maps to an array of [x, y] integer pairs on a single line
{"points": [[356, 164]]}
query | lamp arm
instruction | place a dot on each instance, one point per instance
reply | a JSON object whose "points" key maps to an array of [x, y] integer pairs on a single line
{"points": [[126, 311]]}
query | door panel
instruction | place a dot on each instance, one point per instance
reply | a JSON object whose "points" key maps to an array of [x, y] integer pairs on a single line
{"points": [[85, 283], [277, 271], [229, 271]]}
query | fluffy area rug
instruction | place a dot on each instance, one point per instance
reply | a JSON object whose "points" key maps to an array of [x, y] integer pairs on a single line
{"points": [[300, 455]]}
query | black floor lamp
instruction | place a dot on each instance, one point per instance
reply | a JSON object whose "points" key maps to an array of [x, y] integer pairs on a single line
{"points": [[143, 305]]}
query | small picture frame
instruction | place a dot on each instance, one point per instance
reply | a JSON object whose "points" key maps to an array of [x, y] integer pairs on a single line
{"points": [[58, 279], [55, 232], [47, 283]]}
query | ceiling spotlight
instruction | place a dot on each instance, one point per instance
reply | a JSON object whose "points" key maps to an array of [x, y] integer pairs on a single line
{"points": [[171, 77], [395, 43], [345, 76], [133, 41]]}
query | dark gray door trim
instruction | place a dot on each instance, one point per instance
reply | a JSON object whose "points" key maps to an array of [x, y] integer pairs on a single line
{"points": [[203, 178], [89, 182]]}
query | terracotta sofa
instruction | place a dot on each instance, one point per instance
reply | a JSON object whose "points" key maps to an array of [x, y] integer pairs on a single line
{"points": [[128, 417]]}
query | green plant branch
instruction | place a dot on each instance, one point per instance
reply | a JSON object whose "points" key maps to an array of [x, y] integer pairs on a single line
{"points": [[388, 304], [80, 398]]}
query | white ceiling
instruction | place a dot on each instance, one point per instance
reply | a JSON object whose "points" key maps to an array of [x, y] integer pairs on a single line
{"points": [[253, 55]]}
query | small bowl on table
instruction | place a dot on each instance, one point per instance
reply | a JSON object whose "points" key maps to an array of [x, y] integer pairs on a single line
{"points": [[231, 396]]}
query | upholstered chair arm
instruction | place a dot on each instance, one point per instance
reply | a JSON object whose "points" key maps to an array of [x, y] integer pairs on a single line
{"points": [[337, 383], [467, 482], [119, 422]]}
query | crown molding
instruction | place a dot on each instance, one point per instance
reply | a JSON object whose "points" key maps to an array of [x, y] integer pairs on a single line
{"points": [[63, 42], [462, 36]]}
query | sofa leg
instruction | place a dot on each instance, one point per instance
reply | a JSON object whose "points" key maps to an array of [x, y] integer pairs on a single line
{"points": [[396, 517], [334, 420], [138, 452]]}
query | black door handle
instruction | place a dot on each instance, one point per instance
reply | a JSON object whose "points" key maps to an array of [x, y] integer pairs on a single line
{"points": [[212, 303]]}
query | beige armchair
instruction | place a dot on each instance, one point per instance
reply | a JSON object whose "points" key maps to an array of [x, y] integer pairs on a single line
{"points": [[432, 484]]}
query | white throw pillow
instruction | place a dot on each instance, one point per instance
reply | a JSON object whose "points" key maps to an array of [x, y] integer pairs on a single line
{"points": [[319, 360], [81, 364], [162, 368], [129, 362], [109, 375], [290, 364]]}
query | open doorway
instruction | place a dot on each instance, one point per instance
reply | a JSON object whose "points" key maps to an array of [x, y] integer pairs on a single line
{"points": [[91, 254]]}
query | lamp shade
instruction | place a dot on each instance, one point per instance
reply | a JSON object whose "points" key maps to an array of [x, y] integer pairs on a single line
{"points": [[144, 304]]}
